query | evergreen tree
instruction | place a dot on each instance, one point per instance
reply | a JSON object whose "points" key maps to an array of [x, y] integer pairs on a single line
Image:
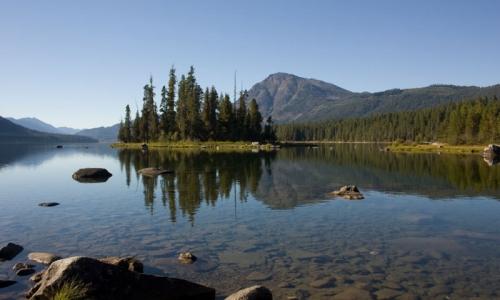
{"points": [[127, 126], [241, 118], [182, 115], [170, 111], [226, 119], [254, 121], [209, 113], [136, 128], [149, 118]]}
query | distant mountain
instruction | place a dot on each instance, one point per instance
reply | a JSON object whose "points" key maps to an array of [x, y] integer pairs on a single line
{"points": [[289, 98], [11, 133], [103, 134], [38, 125]]}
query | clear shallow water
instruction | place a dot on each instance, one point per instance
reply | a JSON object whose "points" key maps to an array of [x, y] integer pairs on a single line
{"points": [[429, 225]]}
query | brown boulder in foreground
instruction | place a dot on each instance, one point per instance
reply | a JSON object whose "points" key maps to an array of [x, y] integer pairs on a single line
{"points": [[105, 281]]}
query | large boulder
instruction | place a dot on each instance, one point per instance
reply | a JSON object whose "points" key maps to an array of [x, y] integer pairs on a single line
{"points": [[256, 292], [350, 192], [153, 171], [90, 175], [10, 251], [106, 281]]}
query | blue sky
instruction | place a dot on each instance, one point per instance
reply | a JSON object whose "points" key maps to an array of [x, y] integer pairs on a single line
{"points": [[78, 63]]}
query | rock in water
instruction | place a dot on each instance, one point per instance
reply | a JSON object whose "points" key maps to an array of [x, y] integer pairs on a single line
{"points": [[153, 171], [48, 204], [6, 283], [187, 258], [20, 266], [492, 150], [10, 251], [127, 263], [256, 292], [43, 257], [106, 281], [25, 272], [349, 192], [91, 175]]}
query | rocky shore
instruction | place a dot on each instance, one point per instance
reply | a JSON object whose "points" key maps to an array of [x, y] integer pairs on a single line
{"points": [[108, 278]]}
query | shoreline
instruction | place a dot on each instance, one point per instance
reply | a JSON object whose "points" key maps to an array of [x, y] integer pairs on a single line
{"points": [[436, 148], [212, 145]]}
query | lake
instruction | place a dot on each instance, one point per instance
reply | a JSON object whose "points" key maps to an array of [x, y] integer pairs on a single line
{"points": [[429, 225]]}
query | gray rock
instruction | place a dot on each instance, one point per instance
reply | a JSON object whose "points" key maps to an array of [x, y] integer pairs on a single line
{"points": [[48, 204], [350, 192], [127, 263], [10, 251], [6, 283], [187, 258], [153, 171], [91, 175], [256, 292], [258, 276], [20, 266], [37, 277], [43, 257], [106, 281]]}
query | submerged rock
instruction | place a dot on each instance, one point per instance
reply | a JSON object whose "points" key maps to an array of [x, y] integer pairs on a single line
{"points": [[20, 266], [106, 281], [349, 192], [256, 292], [6, 283], [153, 171], [127, 263], [91, 175], [187, 258], [25, 272], [48, 204], [10, 251], [43, 257]]}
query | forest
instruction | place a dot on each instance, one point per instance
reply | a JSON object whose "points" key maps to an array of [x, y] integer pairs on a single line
{"points": [[465, 122], [187, 112]]}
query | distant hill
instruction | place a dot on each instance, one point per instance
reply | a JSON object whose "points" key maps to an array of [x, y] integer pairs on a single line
{"points": [[289, 98], [38, 125], [104, 134], [11, 133]]}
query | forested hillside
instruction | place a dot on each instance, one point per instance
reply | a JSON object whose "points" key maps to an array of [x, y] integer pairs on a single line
{"points": [[466, 122], [289, 98]]}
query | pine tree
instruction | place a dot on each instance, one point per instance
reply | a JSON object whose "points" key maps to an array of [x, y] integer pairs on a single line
{"points": [[254, 121], [136, 128], [209, 113], [226, 119], [149, 118], [241, 117], [182, 115], [170, 112], [127, 126], [193, 93]]}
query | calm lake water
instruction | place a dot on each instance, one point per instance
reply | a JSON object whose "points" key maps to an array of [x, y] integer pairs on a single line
{"points": [[429, 225]]}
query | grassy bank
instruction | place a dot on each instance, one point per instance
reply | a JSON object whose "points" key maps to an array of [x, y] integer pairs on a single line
{"points": [[441, 148], [214, 145]]}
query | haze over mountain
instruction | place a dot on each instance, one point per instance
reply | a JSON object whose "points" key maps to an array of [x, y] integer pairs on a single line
{"points": [[103, 134], [14, 133], [289, 98], [38, 125]]}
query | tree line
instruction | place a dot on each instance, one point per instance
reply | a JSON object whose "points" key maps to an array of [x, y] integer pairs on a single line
{"points": [[465, 122], [187, 112]]}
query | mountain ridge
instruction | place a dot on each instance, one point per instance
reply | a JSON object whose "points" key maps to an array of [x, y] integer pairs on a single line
{"points": [[11, 133], [291, 98]]}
